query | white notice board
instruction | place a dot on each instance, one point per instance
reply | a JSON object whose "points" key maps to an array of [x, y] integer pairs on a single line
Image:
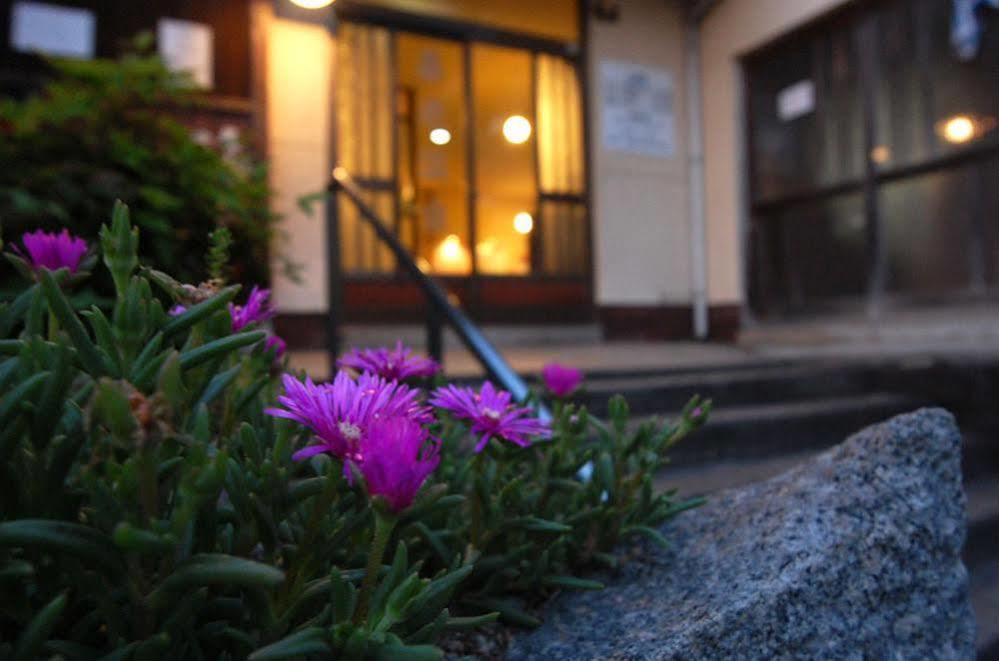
{"points": [[638, 114]]}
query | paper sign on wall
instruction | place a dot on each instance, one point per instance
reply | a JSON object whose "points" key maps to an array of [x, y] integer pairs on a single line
{"points": [[638, 109], [796, 100], [187, 46], [52, 30]]}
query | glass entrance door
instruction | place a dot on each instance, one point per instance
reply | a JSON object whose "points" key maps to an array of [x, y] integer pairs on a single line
{"points": [[473, 152]]}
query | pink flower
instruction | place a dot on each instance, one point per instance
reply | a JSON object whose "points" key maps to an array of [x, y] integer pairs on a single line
{"points": [[54, 251], [397, 456], [561, 380], [396, 363], [256, 310], [491, 414], [341, 412], [275, 344]]}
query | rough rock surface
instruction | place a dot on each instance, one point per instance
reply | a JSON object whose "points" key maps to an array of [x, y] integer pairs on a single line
{"points": [[853, 555]]}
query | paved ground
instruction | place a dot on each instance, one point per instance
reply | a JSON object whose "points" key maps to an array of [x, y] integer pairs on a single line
{"points": [[957, 329]]}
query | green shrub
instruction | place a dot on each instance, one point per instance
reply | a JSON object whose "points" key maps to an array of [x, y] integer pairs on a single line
{"points": [[152, 506], [103, 130]]}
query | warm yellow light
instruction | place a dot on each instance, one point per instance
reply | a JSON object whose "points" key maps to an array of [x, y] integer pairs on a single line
{"points": [[312, 4], [450, 256], [339, 173], [881, 154], [516, 129], [958, 129], [440, 136], [523, 223], [451, 247]]}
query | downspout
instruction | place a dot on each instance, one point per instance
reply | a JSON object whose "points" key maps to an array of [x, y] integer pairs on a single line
{"points": [[695, 179]]}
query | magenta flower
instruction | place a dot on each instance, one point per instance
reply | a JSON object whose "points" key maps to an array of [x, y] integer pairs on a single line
{"points": [[177, 310], [397, 456], [561, 380], [275, 344], [256, 310], [491, 414], [341, 412], [398, 364], [54, 251]]}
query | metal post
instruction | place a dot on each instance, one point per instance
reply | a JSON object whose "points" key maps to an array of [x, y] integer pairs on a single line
{"points": [[435, 334], [334, 277]]}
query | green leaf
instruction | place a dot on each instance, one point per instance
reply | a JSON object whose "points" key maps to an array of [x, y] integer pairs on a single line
{"points": [[399, 652], [535, 524], [647, 532], [217, 385], [508, 612], [202, 310], [23, 391], [29, 644], [217, 348], [105, 336], [313, 640], [437, 595], [343, 597], [16, 310], [454, 623], [572, 583], [120, 245], [129, 538], [216, 569], [89, 355], [62, 537]]}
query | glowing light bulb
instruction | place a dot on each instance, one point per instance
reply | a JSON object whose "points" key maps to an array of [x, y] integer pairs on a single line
{"points": [[516, 129], [450, 256], [451, 247], [312, 4], [523, 223], [958, 129], [440, 136]]}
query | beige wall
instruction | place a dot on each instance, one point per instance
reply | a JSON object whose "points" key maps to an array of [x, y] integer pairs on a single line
{"points": [[641, 233], [299, 69], [732, 29]]}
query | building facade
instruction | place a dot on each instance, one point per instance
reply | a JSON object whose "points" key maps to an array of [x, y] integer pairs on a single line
{"points": [[669, 169]]}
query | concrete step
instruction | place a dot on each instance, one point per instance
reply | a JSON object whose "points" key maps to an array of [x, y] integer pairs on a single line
{"points": [[744, 385], [985, 603], [502, 335], [740, 432]]}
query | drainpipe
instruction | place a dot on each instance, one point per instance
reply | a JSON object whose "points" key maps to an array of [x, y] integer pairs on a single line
{"points": [[695, 178]]}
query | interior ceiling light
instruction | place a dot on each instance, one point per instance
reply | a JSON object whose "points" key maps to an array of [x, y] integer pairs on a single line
{"points": [[516, 129], [440, 136], [312, 4], [523, 223]]}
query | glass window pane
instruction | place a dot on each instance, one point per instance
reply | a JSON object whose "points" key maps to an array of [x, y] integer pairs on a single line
{"points": [[964, 94], [561, 241], [506, 194], [810, 253], [927, 223], [433, 143], [560, 135], [364, 139], [361, 252]]}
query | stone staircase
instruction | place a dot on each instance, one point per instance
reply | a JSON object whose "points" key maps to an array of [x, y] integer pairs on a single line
{"points": [[769, 417]]}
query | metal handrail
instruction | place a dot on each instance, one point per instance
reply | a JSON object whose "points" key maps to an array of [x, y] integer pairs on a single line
{"points": [[439, 307]]}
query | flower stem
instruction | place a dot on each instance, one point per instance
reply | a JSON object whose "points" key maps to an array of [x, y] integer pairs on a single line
{"points": [[384, 523]]}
